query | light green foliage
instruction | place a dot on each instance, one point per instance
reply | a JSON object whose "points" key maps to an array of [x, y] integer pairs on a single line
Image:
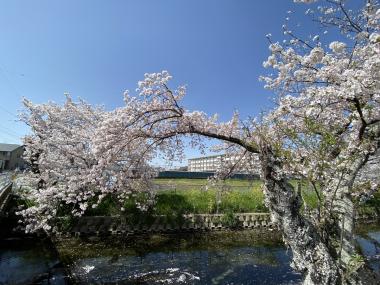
{"points": [[108, 207], [242, 195], [201, 202], [244, 201], [354, 264], [229, 220], [309, 196], [185, 196]]}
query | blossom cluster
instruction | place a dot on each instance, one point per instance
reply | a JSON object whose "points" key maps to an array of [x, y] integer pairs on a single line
{"points": [[324, 128]]}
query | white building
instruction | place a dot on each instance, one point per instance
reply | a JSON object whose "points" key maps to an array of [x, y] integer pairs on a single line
{"points": [[205, 164], [214, 162]]}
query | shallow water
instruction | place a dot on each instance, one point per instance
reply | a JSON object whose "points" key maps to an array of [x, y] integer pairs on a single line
{"points": [[237, 266], [29, 261], [241, 257], [368, 240], [219, 258]]}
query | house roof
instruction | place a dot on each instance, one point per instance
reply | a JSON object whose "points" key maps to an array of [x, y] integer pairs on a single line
{"points": [[9, 147]]}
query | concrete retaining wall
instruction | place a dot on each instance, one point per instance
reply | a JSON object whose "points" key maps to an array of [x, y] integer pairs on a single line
{"points": [[110, 225], [104, 225]]}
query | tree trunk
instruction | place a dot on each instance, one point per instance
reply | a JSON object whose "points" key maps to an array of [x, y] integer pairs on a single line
{"points": [[352, 272], [310, 255], [344, 211]]}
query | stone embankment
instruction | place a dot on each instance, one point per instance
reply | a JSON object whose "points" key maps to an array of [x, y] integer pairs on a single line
{"points": [[118, 225], [106, 225]]}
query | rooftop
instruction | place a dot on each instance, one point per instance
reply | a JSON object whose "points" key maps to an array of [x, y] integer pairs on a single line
{"points": [[204, 157], [9, 147]]}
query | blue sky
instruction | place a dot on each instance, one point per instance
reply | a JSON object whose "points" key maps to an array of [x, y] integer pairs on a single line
{"points": [[97, 49]]}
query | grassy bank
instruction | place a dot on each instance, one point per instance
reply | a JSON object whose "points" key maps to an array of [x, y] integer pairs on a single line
{"points": [[175, 197], [185, 196], [188, 196]]}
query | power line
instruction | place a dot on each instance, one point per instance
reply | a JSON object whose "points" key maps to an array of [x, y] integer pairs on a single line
{"points": [[9, 134], [7, 127], [4, 75], [9, 130], [10, 113], [9, 82]]}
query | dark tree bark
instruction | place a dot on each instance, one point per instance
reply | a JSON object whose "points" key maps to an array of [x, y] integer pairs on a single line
{"points": [[311, 256]]}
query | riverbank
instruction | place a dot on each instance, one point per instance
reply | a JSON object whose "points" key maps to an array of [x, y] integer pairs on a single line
{"points": [[220, 257], [120, 225], [209, 257], [176, 197]]}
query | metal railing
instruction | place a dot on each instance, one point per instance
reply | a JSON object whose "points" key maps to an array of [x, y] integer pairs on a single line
{"points": [[4, 196], [5, 190], [5, 179]]}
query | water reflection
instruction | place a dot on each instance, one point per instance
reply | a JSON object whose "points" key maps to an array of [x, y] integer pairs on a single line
{"points": [[214, 258], [245, 257], [27, 261], [368, 240]]}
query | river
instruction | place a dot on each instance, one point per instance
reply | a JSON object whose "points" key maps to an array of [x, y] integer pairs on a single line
{"points": [[225, 257]]}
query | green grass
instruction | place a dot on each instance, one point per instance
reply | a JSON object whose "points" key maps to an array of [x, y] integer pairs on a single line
{"points": [[192, 196], [202, 202], [241, 197], [186, 196]]}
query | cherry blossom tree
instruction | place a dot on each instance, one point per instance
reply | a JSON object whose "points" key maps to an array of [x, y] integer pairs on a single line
{"points": [[327, 120], [324, 129], [159, 118], [69, 173]]}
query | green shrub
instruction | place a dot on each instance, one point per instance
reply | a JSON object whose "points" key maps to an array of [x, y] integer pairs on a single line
{"points": [[107, 207], [65, 223], [230, 220]]}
